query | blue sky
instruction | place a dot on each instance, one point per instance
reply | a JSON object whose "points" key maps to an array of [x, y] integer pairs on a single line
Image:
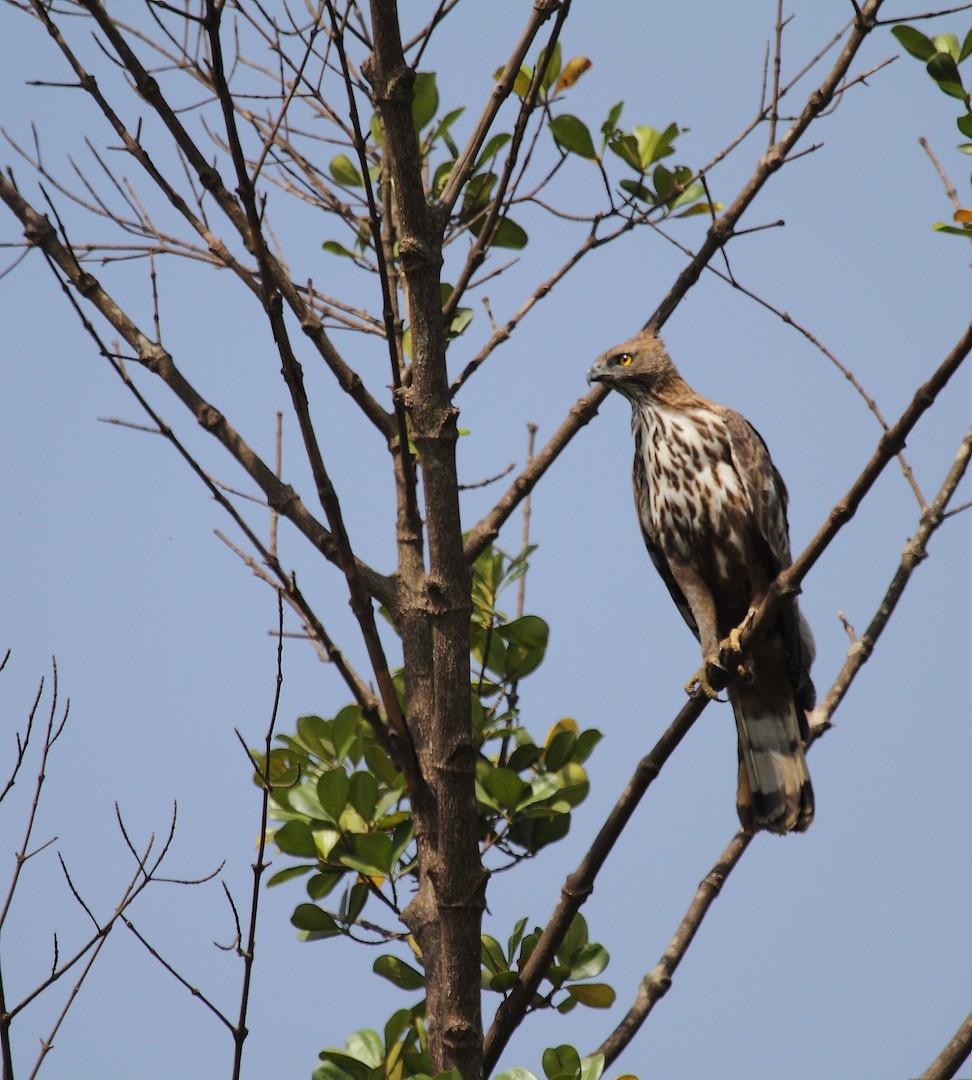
{"points": [[839, 953]]}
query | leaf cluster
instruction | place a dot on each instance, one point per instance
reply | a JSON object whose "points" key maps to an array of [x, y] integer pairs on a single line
{"points": [[578, 960], [344, 811], [942, 56], [511, 172]]}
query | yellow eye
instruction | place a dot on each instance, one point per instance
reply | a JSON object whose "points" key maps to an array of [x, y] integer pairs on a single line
{"points": [[625, 359]]}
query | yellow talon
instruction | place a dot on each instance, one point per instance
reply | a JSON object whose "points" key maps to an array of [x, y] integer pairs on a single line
{"points": [[701, 680], [729, 658]]}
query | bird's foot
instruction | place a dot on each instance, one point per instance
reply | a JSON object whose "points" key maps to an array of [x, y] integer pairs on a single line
{"points": [[730, 658], [708, 680]]}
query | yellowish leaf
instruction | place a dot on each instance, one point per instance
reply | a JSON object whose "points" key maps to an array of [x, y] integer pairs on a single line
{"points": [[567, 724], [593, 995], [571, 72], [963, 217]]}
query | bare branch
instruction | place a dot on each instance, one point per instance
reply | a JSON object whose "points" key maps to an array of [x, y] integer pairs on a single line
{"points": [[159, 361], [952, 1057]]}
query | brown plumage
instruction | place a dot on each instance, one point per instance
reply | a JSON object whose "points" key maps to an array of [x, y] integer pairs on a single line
{"points": [[712, 509]]}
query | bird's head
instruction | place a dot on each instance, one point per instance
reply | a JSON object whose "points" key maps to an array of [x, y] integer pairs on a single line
{"points": [[637, 368]]}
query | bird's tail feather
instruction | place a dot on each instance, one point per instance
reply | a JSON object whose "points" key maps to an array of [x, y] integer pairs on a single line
{"points": [[774, 784]]}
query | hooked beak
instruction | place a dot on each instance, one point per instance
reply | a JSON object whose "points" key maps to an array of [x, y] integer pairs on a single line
{"points": [[596, 373]]}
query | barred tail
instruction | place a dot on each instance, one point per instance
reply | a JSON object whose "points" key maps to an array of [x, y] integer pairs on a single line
{"points": [[774, 784]]}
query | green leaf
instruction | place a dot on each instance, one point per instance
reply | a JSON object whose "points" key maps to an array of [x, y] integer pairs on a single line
{"points": [[502, 981], [328, 1070], [625, 146], [441, 177], [477, 194], [353, 901], [526, 640], [315, 920], [536, 833], [700, 208], [338, 249], [296, 838], [688, 195], [507, 235], [322, 883], [313, 731], [947, 43], [304, 800], [915, 42], [952, 230], [370, 853], [966, 49], [574, 940], [492, 148], [396, 971], [462, 318], [517, 1073], [586, 741], [505, 787], [610, 124], [364, 794], [551, 68], [559, 749], [491, 954], [964, 124], [376, 131], [345, 171], [561, 1061], [442, 131], [572, 135], [397, 1023], [589, 961], [425, 99], [381, 765], [339, 1066], [521, 84], [945, 72], [366, 1046], [289, 874], [639, 191], [592, 1067], [333, 790], [654, 145], [593, 995], [516, 937], [346, 726]]}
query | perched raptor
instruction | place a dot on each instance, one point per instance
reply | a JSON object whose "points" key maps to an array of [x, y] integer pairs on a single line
{"points": [[712, 509]]}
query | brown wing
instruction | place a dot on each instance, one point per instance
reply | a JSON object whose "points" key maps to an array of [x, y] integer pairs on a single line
{"points": [[769, 498]]}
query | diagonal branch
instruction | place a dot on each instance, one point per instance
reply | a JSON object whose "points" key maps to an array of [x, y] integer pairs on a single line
{"points": [[579, 884], [281, 497], [955, 1052], [212, 182], [361, 599], [466, 162]]}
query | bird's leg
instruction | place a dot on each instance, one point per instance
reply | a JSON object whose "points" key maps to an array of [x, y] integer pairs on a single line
{"points": [[710, 679], [711, 676]]}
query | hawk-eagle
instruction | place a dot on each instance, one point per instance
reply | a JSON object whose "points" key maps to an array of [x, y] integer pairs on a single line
{"points": [[712, 509]]}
